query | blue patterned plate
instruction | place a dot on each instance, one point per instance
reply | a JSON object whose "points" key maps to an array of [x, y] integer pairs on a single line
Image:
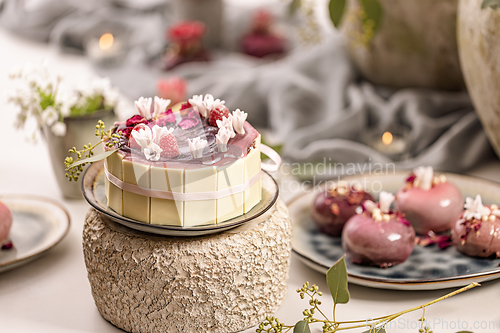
{"points": [[428, 268]]}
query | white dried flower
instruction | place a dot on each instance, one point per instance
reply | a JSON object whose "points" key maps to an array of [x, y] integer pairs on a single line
{"points": [[386, 199], [197, 103], [211, 104], [238, 119], [160, 132], [474, 208], [160, 105], [196, 147], [424, 176], [152, 152], [143, 106], [222, 138], [227, 123], [59, 129], [143, 136], [370, 205], [149, 140]]}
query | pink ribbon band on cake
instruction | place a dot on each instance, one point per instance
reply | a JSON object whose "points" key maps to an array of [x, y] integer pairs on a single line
{"points": [[178, 196]]}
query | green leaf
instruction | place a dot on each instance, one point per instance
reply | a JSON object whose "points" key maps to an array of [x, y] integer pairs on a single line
{"points": [[94, 158], [490, 3], [373, 14], [376, 330], [336, 278], [302, 327], [336, 9]]}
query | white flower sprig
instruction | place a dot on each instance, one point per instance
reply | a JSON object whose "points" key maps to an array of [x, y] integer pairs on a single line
{"points": [[149, 140], [205, 104], [222, 138], [41, 95], [238, 119], [196, 147]]}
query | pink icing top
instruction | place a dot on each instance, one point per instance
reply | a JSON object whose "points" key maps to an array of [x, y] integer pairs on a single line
{"points": [[190, 125]]}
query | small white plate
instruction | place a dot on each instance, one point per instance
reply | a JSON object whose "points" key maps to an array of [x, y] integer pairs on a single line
{"points": [[38, 225], [428, 268]]}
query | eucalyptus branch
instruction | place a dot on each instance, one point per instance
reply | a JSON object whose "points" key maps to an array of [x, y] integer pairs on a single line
{"points": [[336, 278], [75, 167]]}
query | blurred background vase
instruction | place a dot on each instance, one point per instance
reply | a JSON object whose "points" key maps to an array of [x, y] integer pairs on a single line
{"points": [[79, 131], [210, 12], [414, 46], [479, 45]]}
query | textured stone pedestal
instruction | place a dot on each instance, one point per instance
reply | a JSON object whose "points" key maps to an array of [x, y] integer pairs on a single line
{"points": [[219, 283]]}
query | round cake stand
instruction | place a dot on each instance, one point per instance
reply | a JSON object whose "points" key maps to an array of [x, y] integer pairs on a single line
{"points": [[225, 282]]}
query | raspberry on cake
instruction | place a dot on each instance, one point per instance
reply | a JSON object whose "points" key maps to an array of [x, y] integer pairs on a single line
{"points": [[184, 166]]}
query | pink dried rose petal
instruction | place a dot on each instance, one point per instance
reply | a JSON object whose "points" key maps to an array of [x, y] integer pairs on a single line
{"points": [[411, 178], [188, 122], [165, 118], [7, 246]]}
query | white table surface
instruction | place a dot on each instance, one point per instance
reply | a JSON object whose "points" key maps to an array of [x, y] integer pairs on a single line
{"points": [[52, 294]]}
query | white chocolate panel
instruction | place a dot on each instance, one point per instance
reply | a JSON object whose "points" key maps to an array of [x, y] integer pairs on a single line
{"points": [[252, 196], [163, 211], [136, 206], [201, 211], [180, 213], [230, 176], [113, 193]]}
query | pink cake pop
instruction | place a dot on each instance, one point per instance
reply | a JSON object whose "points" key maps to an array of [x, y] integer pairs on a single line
{"points": [[378, 235], [430, 203]]}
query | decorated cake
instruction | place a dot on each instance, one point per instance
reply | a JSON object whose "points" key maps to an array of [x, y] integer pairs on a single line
{"points": [[378, 235], [333, 207], [477, 232], [5, 225], [193, 164], [429, 202]]}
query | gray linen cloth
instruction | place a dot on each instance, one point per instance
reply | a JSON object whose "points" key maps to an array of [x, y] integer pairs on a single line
{"points": [[313, 101]]}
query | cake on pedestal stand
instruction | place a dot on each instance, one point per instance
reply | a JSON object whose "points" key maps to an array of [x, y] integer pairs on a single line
{"points": [[224, 282]]}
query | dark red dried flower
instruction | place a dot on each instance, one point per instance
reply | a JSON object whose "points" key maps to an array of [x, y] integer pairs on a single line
{"points": [[137, 119]]}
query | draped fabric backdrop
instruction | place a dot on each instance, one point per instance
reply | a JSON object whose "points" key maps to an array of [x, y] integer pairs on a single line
{"points": [[313, 101]]}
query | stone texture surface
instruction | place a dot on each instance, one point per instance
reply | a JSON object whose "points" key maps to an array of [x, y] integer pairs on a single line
{"points": [[218, 283], [479, 55], [415, 45]]}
